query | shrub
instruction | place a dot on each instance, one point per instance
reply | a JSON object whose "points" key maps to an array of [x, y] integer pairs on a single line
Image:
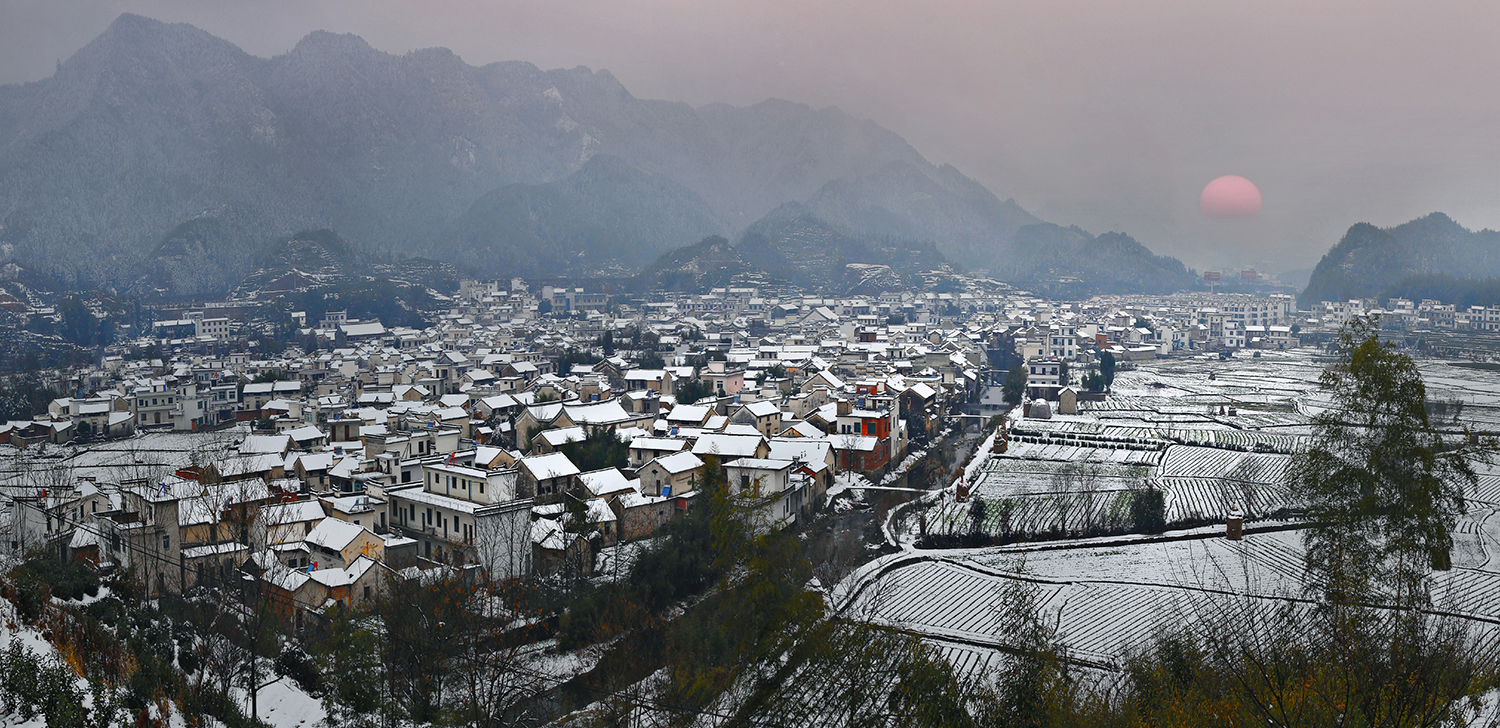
{"points": [[1148, 510], [108, 610], [297, 665], [31, 685], [73, 580]]}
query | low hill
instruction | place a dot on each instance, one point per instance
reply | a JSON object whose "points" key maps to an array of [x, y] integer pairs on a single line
{"points": [[1071, 260], [1370, 261], [792, 245]]}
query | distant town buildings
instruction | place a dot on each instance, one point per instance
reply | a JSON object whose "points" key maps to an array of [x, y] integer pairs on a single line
{"points": [[476, 441]]}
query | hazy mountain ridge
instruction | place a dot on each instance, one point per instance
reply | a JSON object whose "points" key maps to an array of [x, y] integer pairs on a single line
{"points": [[795, 246], [605, 216], [162, 157], [1370, 261], [1046, 254]]}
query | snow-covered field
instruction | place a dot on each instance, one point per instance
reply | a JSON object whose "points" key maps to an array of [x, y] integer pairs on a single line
{"points": [[1214, 436], [1108, 600]]}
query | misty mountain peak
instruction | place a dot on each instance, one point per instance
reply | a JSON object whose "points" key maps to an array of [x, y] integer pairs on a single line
{"points": [[324, 44], [134, 42], [501, 168]]}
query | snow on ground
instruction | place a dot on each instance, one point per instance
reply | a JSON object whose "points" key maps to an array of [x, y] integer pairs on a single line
{"points": [[549, 667], [282, 704], [12, 630], [615, 562], [1167, 423], [900, 470], [1110, 599], [851, 482]]}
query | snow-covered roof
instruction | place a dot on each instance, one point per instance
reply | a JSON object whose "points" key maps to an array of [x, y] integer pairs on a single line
{"points": [[551, 465], [858, 443], [679, 462], [314, 461], [437, 500], [731, 445], [333, 534], [597, 413], [762, 408], [198, 552], [343, 577], [548, 534], [689, 414], [811, 451], [921, 389], [605, 482], [563, 435], [598, 511], [659, 444], [264, 444], [760, 464]]}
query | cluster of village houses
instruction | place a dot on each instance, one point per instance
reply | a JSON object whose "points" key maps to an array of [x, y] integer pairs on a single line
{"points": [[375, 451]]}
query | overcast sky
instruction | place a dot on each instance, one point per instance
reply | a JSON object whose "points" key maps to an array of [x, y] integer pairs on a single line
{"points": [[1106, 114]]}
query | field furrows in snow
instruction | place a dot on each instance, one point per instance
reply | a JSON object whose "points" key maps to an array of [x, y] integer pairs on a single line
{"points": [[1487, 490], [1081, 453], [1468, 591], [969, 662], [1213, 498], [1208, 462], [1103, 622], [1273, 555]]}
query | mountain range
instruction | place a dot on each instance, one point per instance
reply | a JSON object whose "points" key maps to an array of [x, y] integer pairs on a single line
{"points": [[1373, 262], [162, 158]]}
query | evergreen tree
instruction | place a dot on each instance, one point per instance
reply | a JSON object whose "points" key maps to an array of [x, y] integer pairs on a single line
{"points": [[1107, 368], [1380, 484], [1014, 388], [349, 660]]}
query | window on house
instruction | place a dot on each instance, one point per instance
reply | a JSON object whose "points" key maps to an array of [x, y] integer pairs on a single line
{"points": [[166, 542]]}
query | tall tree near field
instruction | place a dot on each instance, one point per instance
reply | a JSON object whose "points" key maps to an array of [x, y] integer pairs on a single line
{"points": [[1014, 387], [1382, 487], [349, 659]]}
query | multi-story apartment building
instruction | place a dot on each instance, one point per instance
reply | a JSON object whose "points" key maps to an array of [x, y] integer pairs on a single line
{"points": [[466, 515]]}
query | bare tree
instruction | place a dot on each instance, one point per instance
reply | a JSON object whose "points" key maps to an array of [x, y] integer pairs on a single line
{"points": [[1064, 494]]}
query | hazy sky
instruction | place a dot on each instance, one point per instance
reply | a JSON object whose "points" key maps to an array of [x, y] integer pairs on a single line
{"points": [[1108, 114]]}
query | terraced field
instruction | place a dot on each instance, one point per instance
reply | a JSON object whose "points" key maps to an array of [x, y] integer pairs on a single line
{"points": [[1211, 499], [1108, 601]]}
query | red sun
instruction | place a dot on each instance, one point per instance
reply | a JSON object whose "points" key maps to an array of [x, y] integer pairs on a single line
{"points": [[1230, 196]]}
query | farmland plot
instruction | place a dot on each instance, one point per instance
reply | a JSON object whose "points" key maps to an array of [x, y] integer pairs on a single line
{"points": [[1476, 538], [1208, 462], [1205, 483], [1076, 489], [1267, 564], [1109, 600], [940, 599], [1211, 499], [1488, 489], [1062, 451]]}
